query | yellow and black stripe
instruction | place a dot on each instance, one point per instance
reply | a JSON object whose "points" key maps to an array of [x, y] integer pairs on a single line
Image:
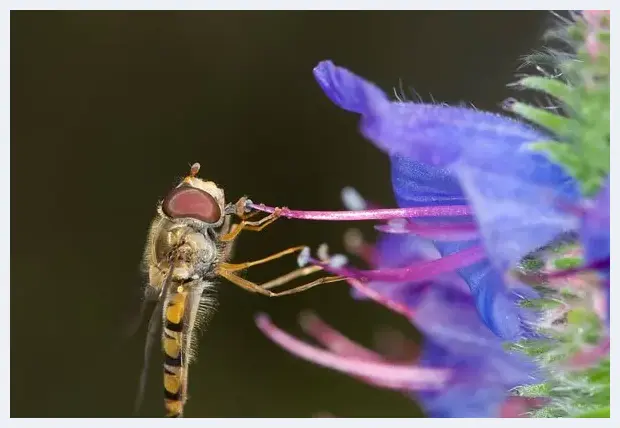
{"points": [[174, 346]]}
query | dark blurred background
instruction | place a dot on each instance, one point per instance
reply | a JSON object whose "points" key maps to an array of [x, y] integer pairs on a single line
{"points": [[108, 109]]}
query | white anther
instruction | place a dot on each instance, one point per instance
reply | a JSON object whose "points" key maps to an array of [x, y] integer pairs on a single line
{"points": [[323, 252], [304, 257], [338, 261], [352, 199]]}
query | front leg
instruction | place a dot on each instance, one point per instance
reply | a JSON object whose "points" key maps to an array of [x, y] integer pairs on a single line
{"points": [[255, 226]]}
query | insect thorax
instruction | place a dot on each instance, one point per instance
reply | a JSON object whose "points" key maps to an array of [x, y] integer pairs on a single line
{"points": [[185, 245]]}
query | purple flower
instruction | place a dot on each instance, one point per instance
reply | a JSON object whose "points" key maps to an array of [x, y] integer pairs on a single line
{"points": [[444, 156], [474, 201], [462, 369]]}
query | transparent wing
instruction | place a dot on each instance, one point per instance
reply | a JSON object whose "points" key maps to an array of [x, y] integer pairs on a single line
{"points": [[152, 337], [150, 296]]}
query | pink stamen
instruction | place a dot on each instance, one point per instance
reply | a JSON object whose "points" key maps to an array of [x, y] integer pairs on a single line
{"points": [[413, 377], [355, 244], [342, 345], [382, 300], [417, 272], [376, 214], [333, 340], [436, 232]]}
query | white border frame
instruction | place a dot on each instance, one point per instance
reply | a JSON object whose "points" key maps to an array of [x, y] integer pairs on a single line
{"points": [[273, 5]]}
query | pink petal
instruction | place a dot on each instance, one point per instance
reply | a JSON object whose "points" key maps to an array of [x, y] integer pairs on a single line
{"points": [[411, 376]]}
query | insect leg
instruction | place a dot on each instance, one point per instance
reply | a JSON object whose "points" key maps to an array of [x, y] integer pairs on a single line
{"points": [[234, 267], [249, 215], [298, 273], [255, 226], [239, 209], [251, 286]]}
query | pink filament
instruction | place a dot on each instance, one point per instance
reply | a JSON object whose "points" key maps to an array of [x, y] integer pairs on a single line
{"points": [[342, 345], [412, 376], [333, 340], [436, 232], [355, 244], [376, 214], [377, 297], [417, 272]]}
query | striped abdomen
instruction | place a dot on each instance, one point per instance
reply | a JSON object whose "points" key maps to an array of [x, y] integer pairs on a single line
{"points": [[175, 344]]}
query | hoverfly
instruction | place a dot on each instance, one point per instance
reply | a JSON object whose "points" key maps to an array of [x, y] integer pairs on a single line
{"points": [[188, 245]]}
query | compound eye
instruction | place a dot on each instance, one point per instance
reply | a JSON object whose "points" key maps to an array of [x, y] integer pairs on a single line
{"points": [[188, 201]]}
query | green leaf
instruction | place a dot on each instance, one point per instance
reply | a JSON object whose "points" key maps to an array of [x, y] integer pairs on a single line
{"points": [[540, 304], [561, 152], [582, 147], [579, 316], [552, 86], [533, 391], [531, 263], [567, 263], [559, 125]]}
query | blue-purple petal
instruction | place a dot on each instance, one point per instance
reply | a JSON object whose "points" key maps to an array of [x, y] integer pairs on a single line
{"points": [[444, 311], [478, 387], [518, 201], [413, 186], [453, 155], [483, 156], [348, 91]]}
